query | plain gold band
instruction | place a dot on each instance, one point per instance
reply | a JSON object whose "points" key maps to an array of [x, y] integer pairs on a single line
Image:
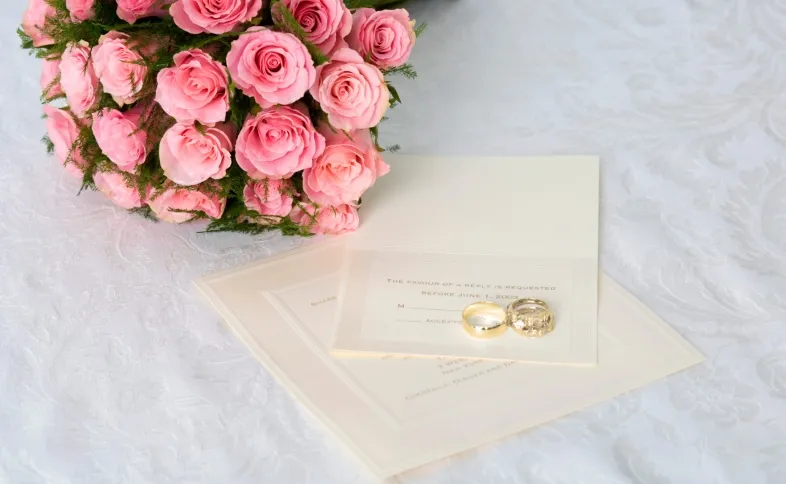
{"points": [[484, 332]]}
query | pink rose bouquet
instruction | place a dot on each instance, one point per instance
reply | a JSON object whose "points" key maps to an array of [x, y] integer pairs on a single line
{"points": [[251, 115]]}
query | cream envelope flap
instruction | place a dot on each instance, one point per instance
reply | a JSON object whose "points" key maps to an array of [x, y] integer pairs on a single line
{"points": [[398, 413], [441, 233]]}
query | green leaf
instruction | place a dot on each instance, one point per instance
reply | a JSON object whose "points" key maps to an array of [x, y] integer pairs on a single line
{"points": [[405, 70], [238, 218], [211, 39], [375, 138], [50, 146], [396, 99], [353, 4], [145, 212], [420, 29], [27, 41]]}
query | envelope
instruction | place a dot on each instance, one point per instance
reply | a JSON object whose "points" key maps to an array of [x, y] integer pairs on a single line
{"points": [[396, 413], [439, 234]]}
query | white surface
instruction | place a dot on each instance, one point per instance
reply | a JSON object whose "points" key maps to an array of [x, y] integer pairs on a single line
{"points": [[111, 369]]}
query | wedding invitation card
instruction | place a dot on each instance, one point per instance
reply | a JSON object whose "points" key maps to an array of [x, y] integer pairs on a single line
{"points": [[396, 413], [441, 233]]}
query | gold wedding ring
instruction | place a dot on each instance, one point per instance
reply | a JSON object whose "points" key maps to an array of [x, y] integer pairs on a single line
{"points": [[484, 320], [530, 317]]}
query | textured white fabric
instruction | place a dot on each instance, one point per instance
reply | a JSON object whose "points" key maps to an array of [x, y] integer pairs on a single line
{"points": [[113, 371]]}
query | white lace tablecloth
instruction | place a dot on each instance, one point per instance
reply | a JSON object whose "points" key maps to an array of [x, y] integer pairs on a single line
{"points": [[113, 371]]}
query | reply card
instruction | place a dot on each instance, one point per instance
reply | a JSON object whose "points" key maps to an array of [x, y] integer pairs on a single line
{"points": [[397, 413], [441, 233]]}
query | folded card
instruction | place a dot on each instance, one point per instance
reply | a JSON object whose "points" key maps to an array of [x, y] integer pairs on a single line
{"points": [[397, 413], [441, 233]]}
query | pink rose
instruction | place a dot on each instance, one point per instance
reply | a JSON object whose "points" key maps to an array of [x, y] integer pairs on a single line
{"points": [[34, 20], [336, 220], [63, 131], [326, 22], [277, 142], [118, 67], [81, 10], [50, 79], [213, 16], [195, 89], [118, 189], [272, 67], [385, 37], [346, 169], [132, 10], [352, 93], [119, 137], [189, 156], [269, 197], [78, 78], [166, 204]]}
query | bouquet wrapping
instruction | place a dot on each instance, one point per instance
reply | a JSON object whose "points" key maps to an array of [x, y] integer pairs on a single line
{"points": [[252, 115]]}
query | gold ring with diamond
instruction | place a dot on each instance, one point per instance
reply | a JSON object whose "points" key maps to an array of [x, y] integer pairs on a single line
{"points": [[530, 317], [484, 320]]}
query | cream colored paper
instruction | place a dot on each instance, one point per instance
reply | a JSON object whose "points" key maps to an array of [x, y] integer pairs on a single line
{"points": [[399, 413], [441, 233]]}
